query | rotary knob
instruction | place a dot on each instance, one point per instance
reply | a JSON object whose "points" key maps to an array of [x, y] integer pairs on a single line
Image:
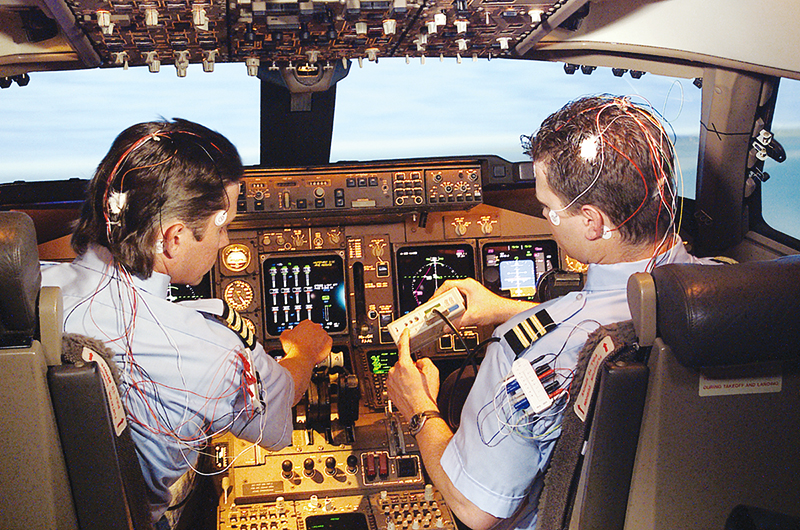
{"points": [[334, 236], [299, 239]]}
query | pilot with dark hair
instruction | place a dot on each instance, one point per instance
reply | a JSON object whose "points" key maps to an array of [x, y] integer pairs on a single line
{"points": [[604, 176], [157, 212]]}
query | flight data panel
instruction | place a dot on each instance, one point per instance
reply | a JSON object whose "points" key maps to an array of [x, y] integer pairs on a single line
{"points": [[422, 269], [513, 268], [381, 361], [303, 287]]}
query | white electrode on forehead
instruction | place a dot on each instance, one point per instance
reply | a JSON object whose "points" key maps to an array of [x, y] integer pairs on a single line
{"points": [[221, 217]]}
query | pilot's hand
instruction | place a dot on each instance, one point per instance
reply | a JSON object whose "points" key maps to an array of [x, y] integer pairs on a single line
{"points": [[411, 386], [307, 340], [484, 308]]}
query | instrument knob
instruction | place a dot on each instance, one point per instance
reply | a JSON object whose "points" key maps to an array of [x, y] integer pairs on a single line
{"points": [[352, 463], [308, 467], [330, 465], [286, 467]]}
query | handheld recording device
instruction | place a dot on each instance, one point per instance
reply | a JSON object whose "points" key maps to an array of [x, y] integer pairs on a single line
{"points": [[423, 323]]}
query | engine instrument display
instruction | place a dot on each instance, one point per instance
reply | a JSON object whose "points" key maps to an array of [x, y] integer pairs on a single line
{"points": [[239, 294], [303, 287], [513, 268], [422, 269]]}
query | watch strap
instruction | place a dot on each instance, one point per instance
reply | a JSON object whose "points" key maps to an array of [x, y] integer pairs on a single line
{"points": [[418, 420]]}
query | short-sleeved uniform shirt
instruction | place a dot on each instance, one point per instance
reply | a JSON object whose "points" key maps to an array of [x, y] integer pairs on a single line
{"points": [[498, 461], [184, 375]]}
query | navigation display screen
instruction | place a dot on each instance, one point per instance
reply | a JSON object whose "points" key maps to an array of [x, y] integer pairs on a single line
{"points": [[513, 268], [310, 287], [422, 269]]}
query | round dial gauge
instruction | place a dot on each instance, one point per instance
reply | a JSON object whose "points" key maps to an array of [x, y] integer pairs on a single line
{"points": [[236, 257], [239, 294]]}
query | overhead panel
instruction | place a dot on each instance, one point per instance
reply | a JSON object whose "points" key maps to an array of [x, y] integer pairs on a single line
{"points": [[288, 33]]}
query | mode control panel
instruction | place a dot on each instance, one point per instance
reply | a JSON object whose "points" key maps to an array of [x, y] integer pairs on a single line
{"points": [[361, 188]]}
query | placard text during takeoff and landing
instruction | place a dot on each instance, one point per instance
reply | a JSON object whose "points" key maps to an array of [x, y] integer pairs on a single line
{"points": [[303, 287], [423, 269]]}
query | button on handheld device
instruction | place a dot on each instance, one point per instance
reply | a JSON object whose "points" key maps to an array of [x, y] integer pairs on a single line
{"points": [[423, 323]]}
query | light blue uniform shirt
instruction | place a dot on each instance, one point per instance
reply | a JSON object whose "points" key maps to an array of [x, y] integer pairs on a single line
{"points": [[495, 469], [183, 381]]}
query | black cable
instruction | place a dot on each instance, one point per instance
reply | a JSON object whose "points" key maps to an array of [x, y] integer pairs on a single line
{"points": [[470, 358]]}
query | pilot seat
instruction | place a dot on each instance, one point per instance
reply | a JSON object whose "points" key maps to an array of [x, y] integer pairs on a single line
{"points": [[64, 466]]}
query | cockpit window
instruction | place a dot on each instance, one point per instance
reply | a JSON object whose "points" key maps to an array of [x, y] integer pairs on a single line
{"points": [[442, 108], [779, 205], [61, 124]]}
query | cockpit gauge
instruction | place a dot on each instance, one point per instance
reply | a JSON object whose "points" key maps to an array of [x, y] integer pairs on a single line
{"points": [[239, 294], [429, 277], [236, 257], [428, 268]]}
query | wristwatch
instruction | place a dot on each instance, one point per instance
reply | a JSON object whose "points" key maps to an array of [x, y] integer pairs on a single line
{"points": [[418, 420]]}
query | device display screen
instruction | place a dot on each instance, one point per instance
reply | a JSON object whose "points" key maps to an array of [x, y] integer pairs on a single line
{"points": [[310, 287], [337, 521], [422, 269], [513, 268], [381, 361]]}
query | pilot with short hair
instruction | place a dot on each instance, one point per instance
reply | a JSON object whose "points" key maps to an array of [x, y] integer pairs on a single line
{"points": [[604, 176], [157, 212]]}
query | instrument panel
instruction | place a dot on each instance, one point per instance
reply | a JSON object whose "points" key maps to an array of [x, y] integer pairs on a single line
{"points": [[353, 247]]}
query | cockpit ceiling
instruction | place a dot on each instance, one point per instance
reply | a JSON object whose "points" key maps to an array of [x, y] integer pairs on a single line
{"points": [[317, 33], [309, 36]]}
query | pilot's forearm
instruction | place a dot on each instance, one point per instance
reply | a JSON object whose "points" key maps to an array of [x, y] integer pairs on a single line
{"points": [[432, 441], [300, 369]]}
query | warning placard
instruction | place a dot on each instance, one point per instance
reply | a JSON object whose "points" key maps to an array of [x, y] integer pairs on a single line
{"points": [[750, 385]]}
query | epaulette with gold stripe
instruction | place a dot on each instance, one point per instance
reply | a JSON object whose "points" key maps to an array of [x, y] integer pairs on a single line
{"points": [[231, 318], [521, 336]]}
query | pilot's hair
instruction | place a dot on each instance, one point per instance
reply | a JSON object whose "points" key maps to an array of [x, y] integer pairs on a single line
{"points": [[628, 173], [155, 171]]}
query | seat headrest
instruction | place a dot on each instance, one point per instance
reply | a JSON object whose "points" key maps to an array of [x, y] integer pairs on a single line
{"points": [[729, 314], [20, 279]]}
